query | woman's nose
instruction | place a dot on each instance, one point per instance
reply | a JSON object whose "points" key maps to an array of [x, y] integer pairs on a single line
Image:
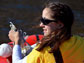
{"points": [[41, 24]]}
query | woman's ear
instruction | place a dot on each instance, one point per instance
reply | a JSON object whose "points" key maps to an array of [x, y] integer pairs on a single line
{"points": [[60, 25]]}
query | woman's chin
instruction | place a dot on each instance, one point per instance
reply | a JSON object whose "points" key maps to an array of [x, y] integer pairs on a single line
{"points": [[46, 34]]}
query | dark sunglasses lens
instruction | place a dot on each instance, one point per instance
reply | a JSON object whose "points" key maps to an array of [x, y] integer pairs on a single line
{"points": [[44, 21]]}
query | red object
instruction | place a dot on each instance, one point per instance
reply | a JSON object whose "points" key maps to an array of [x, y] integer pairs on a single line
{"points": [[3, 60], [11, 44], [32, 39], [6, 60]]}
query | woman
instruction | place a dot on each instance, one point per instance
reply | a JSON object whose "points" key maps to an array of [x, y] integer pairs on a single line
{"points": [[58, 44]]}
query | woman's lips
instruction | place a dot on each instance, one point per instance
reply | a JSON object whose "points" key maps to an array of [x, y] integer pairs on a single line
{"points": [[44, 30]]}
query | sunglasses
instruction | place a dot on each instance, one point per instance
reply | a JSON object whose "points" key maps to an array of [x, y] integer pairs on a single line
{"points": [[46, 21]]}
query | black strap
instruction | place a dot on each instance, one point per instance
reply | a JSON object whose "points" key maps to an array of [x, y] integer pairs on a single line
{"points": [[58, 56], [37, 36]]}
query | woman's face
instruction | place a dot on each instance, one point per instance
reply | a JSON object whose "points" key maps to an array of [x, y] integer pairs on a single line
{"points": [[49, 28]]}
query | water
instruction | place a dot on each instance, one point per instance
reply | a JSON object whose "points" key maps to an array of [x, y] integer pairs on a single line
{"points": [[25, 13]]}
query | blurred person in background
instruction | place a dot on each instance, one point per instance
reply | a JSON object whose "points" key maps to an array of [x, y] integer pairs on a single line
{"points": [[6, 48]]}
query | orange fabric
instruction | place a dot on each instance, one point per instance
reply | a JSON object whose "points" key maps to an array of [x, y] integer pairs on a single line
{"points": [[72, 51]]}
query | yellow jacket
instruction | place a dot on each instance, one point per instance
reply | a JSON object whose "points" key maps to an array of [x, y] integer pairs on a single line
{"points": [[72, 51]]}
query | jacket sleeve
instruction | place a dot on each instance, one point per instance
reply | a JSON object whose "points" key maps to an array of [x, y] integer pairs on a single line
{"points": [[17, 56]]}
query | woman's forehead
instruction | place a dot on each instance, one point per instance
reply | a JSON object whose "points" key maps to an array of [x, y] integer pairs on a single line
{"points": [[47, 13]]}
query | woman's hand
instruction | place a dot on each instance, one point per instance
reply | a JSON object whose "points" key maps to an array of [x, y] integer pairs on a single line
{"points": [[16, 36]]}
